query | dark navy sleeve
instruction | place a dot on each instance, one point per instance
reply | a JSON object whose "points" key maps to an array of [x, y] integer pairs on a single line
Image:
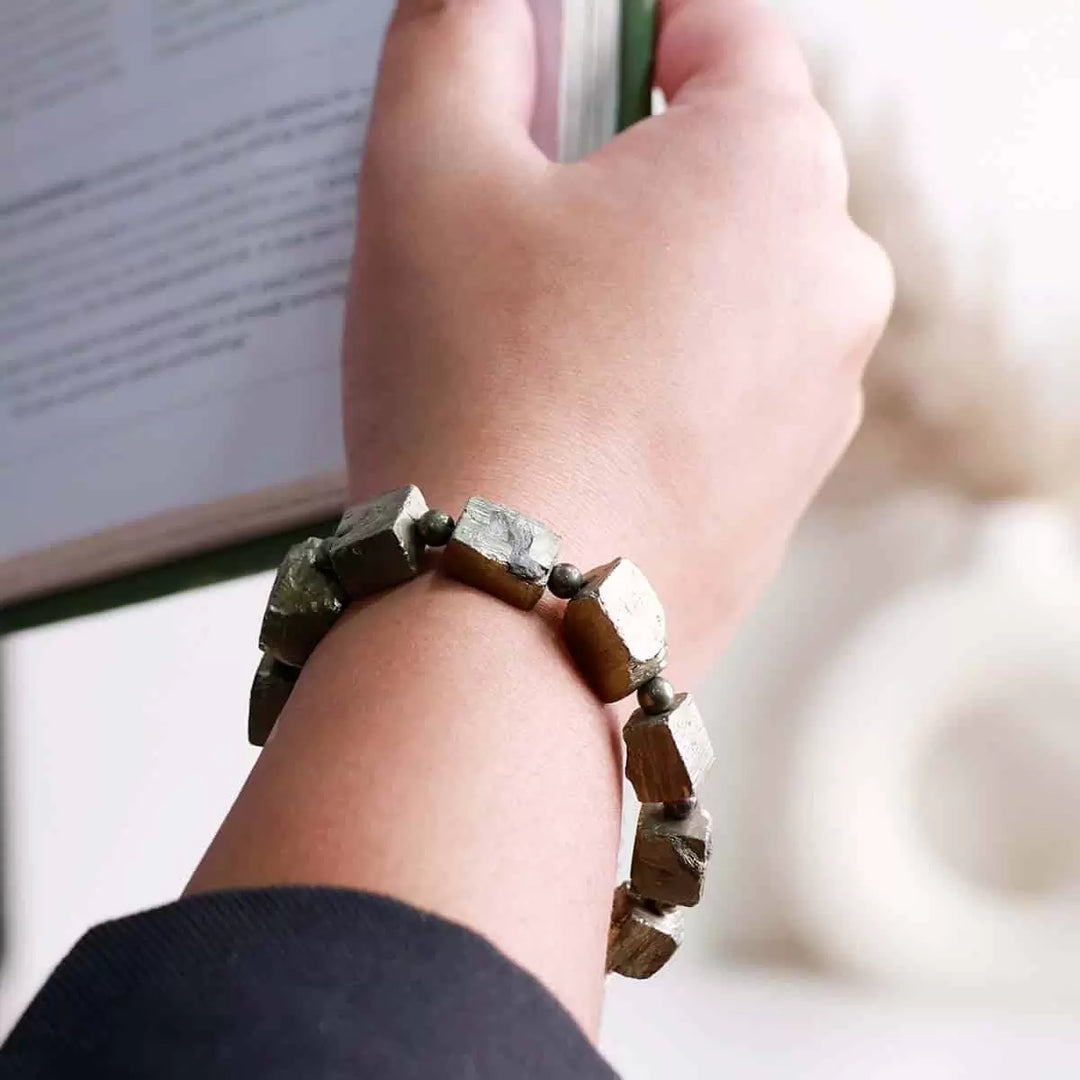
{"points": [[294, 983]]}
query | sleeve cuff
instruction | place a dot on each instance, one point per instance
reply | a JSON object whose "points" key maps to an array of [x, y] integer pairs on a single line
{"points": [[289, 982]]}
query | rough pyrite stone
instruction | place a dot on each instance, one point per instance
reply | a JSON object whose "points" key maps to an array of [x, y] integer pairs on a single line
{"points": [[304, 603], [640, 940], [502, 552], [670, 856], [667, 755], [270, 690], [615, 630], [377, 545]]}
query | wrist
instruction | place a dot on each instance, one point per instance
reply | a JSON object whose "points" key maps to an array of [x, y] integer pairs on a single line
{"points": [[598, 520], [612, 626]]}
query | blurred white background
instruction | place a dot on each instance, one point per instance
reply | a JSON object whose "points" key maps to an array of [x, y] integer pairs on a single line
{"points": [[895, 888]]}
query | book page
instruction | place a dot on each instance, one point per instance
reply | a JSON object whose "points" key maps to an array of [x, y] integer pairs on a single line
{"points": [[177, 182], [176, 214]]}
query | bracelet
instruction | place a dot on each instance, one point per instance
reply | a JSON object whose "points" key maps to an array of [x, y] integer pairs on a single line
{"points": [[614, 628]]}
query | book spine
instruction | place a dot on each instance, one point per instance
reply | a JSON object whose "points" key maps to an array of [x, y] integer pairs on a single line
{"points": [[639, 23]]}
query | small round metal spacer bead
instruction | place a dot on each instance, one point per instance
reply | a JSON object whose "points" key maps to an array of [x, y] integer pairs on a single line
{"points": [[435, 528], [681, 810], [657, 696], [565, 581]]}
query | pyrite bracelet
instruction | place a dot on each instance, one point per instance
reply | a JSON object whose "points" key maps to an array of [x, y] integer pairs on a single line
{"points": [[614, 628]]}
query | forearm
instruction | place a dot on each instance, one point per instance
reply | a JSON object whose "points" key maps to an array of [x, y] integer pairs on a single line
{"points": [[440, 748]]}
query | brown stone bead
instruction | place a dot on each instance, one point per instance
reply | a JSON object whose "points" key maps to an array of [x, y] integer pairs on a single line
{"points": [[641, 940], [502, 552], [270, 690], [667, 755], [621, 905], [670, 856], [615, 630], [377, 545], [304, 603]]}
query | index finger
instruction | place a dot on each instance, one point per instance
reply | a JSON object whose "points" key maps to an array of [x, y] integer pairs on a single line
{"points": [[707, 46]]}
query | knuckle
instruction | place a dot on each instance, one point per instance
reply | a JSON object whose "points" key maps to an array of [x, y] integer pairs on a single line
{"points": [[856, 414], [842, 421], [878, 283], [851, 293], [798, 143], [848, 422], [817, 153], [869, 288], [765, 36], [739, 43], [754, 23]]}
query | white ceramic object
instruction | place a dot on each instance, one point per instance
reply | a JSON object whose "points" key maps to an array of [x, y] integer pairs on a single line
{"points": [[869, 890]]}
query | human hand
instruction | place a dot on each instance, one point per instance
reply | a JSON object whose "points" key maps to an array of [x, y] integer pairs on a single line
{"points": [[657, 350]]}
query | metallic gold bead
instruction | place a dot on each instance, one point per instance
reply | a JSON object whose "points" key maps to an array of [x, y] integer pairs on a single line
{"points": [[615, 630], [667, 755], [270, 690], [377, 545], [641, 940], [502, 552], [304, 604], [656, 696], [435, 528], [670, 856], [566, 581]]}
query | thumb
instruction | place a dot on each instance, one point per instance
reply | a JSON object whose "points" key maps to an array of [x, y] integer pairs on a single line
{"points": [[455, 74]]}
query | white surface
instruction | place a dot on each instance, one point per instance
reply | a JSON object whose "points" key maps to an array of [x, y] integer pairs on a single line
{"points": [[124, 745], [714, 1025], [840, 567], [869, 887]]}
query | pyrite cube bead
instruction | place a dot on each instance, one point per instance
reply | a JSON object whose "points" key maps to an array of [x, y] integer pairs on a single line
{"points": [[304, 603], [270, 690], [640, 940], [378, 545], [615, 630], [667, 755], [670, 856], [502, 552]]}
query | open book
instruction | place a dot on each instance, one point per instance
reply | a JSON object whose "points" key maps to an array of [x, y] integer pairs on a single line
{"points": [[176, 214]]}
